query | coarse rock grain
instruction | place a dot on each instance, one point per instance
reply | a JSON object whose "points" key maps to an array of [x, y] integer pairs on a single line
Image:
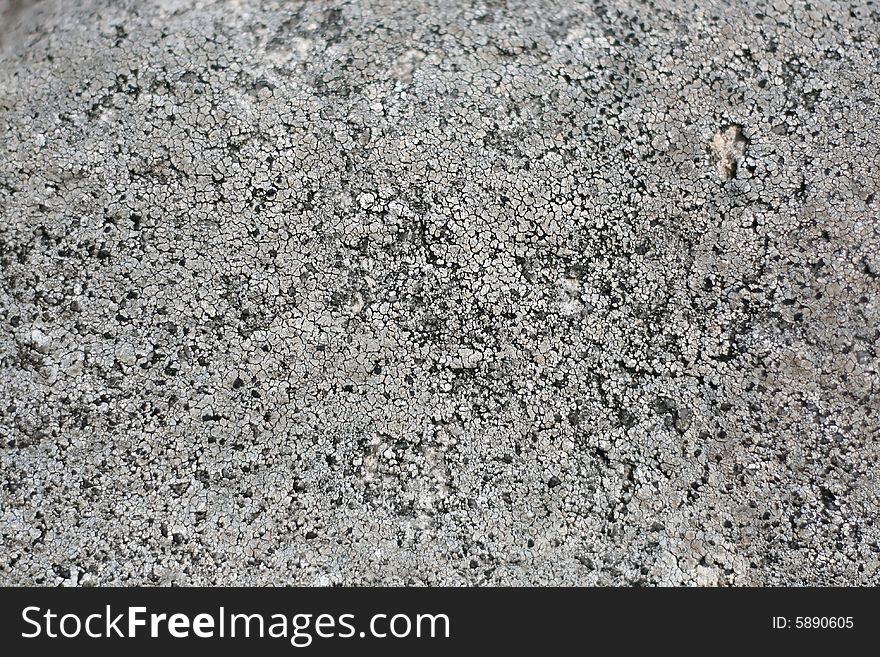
{"points": [[439, 292]]}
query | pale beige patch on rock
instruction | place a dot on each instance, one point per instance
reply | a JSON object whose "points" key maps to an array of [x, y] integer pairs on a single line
{"points": [[728, 146]]}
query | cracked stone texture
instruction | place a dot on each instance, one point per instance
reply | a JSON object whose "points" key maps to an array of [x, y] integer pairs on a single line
{"points": [[386, 292]]}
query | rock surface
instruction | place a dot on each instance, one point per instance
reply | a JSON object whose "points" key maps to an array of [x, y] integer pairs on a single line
{"points": [[539, 292]]}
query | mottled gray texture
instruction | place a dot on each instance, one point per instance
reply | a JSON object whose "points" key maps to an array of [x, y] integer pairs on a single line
{"points": [[540, 292]]}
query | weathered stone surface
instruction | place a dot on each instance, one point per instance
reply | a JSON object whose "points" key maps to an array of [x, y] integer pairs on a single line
{"points": [[546, 292]]}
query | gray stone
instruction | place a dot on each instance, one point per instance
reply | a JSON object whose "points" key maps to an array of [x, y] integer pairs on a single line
{"points": [[368, 292]]}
